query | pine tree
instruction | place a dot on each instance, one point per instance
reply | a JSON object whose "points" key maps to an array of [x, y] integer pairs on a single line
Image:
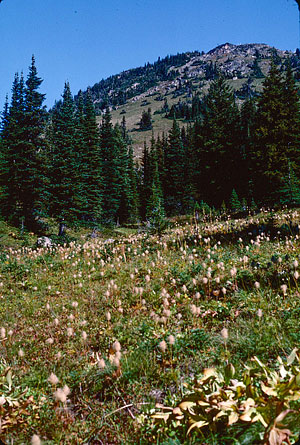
{"points": [[289, 193], [34, 167], [111, 172], [64, 190], [174, 187], [90, 165], [277, 134], [23, 172], [146, 181], [235, 203], [220, 143], [146, 120]]}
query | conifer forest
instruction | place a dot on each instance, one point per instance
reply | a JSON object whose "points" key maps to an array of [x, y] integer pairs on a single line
{"points": [[61, 164]]}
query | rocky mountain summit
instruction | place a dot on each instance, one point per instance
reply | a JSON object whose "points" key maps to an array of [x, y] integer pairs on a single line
{"points": [[234, 61], [177, 81]]}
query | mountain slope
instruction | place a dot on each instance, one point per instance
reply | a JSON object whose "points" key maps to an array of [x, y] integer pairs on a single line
{"points": [[178, 79]]}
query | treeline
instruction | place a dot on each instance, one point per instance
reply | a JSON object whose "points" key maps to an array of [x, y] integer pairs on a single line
{"points": [[63, 165], [230, 156], [118, 89]]}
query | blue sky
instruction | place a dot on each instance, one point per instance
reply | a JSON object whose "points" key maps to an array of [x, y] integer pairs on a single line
{"points": [[83, 41]]}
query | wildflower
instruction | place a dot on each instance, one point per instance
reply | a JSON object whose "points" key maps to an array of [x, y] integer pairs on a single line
{"points": [[233, 272], [224, 333], [2, 400], [259, 313], [53, 379], [147, 278], [171, 339], [108, 316], [60, 396], [69, 332], [35, 440], [101, 363], [162, 346], [193, 309], [205, 280], [21, 353], [2, 333], [295, 263], [66, 390], [84, 335], [257, 285], [296, 275], [116, 346], [50, 341], [116, 362], [283, 287]]}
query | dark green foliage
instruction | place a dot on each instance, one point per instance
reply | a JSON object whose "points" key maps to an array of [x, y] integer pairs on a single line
{"points": [[256, 70], [146, 120], [235, 203], [135, 81], [23, 174], [64, 188], [276, 141], [220, 144], [289, 192], [174, 172]]}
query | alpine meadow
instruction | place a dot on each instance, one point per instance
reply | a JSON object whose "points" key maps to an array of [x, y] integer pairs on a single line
{"points": [[150, 252]]}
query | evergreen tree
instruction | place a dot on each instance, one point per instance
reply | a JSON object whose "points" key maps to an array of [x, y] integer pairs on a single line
{"points": [[146, 120], [235, 203], [111, 173], [146, 181], [64, 185], [277, 134], [174, 187], [90, 165], [23, 174], [289, 192], [220, 143], [34, 168]]}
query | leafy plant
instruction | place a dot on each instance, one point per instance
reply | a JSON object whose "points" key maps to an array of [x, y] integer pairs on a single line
{"points": [[263, 397]]}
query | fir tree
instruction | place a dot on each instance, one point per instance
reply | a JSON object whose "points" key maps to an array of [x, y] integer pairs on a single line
{"points": [[111, 173], [235, 203], [146, 120], [174, 190], [64, 190], [23, 172], [220, 143], [277, 134], [90, 165]]}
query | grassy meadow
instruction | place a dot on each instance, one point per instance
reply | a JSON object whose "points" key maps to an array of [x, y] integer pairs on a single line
{"points": [[97, 336]]}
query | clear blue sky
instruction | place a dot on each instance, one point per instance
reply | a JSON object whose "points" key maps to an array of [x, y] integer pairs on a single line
{"points": [[83, 41]]}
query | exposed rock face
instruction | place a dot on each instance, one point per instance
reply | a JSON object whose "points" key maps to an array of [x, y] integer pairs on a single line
{"points": [[233, 59]]}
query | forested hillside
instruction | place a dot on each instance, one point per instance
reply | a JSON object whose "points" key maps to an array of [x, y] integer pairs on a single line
{"points": [[220, 151]]}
